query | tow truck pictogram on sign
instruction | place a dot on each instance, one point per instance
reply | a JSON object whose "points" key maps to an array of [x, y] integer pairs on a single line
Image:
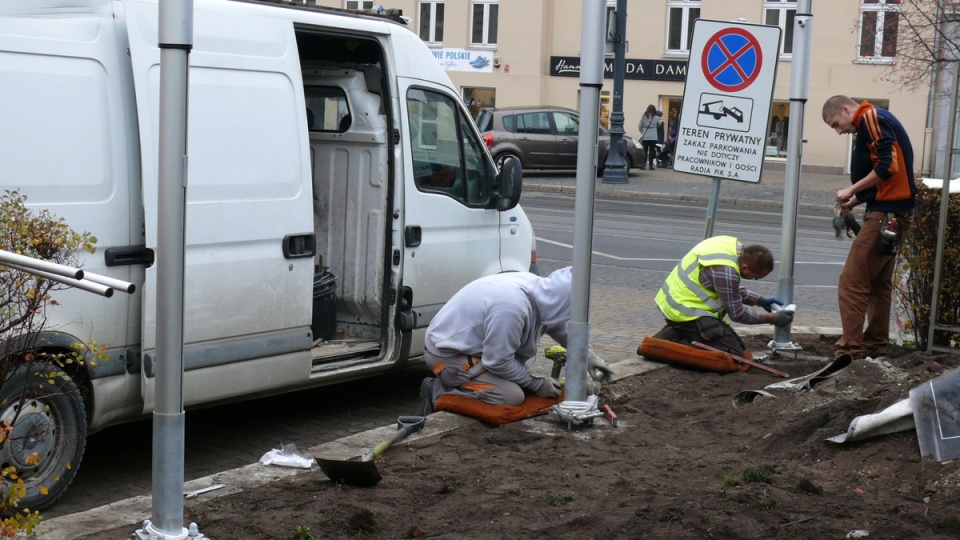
{"points": [[724, 111], [718, 111]]}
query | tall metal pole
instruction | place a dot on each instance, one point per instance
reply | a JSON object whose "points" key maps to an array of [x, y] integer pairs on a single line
{"points": [[175, 39], [615, 169], [591, 81], [799, 84], [944, 209]]}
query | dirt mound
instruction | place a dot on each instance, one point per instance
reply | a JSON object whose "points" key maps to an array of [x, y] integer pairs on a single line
{"points": [[683, 463]]}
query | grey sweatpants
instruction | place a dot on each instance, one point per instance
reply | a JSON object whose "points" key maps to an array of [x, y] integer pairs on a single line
{"points": [[464, 376]]}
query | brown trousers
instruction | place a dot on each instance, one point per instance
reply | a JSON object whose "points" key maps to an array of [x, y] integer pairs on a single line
{"points": [[864, 291]]}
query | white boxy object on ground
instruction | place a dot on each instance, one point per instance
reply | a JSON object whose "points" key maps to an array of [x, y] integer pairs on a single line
{"points": [[332, 167]]}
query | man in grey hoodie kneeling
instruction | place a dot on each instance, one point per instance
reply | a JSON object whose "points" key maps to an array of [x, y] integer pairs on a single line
{"points": [[479, 343]]}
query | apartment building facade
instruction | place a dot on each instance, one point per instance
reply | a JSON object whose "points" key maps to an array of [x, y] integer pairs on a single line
{"points": [[527, 52]]}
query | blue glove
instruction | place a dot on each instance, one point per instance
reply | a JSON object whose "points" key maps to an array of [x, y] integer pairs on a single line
{"points": [[767, 303]]}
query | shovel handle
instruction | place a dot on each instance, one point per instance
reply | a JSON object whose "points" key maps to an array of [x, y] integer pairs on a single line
{"points": [[743, 360], [408, 425]]}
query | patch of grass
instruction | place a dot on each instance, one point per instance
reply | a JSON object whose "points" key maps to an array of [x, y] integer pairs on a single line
{"points": [[765, 502], [754, 474], [729, 481], [220, 507], [302, 532], [757, 475], [560, 498]]}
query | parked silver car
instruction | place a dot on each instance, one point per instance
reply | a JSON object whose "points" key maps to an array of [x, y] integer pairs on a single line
{"points": [[544, 137]]}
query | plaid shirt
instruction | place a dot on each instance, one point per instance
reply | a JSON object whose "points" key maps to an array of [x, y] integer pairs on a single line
{"points": [[725, 281]]}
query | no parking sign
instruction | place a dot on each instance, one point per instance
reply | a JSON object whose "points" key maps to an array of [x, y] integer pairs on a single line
{"points": [[726, 100]]}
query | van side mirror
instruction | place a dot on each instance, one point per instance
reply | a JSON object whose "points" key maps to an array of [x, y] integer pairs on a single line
{"points": [[510, 182]]}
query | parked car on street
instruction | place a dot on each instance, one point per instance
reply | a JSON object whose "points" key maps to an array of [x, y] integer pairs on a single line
{"points": [[544, 137]]}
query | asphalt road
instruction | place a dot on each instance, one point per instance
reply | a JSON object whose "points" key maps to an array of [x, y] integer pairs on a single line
{"points": [[652, 235], [635, 243]]}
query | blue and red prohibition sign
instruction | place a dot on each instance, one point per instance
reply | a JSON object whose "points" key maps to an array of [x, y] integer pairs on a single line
{"points": [[731, 59]]}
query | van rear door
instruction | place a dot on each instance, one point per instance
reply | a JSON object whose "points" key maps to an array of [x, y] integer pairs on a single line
{"points": [[248, 287], [451, 237]]}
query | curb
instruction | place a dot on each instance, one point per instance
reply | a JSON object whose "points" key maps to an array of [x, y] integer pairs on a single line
{"points": [[558, 188]]}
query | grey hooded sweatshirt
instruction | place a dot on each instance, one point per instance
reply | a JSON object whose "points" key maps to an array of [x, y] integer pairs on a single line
{"points": [[500, 319]]}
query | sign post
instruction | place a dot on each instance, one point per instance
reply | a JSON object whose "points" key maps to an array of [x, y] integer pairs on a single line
{"points": [[726, 103]]}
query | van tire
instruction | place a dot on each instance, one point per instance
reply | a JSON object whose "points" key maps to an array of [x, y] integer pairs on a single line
{"points": [[49, 419]]}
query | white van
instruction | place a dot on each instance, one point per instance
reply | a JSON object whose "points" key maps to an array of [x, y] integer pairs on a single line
{"points": [[338, 194]]}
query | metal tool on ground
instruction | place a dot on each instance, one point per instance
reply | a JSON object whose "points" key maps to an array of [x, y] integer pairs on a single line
{"points": [[742, 360], [363, 472], [579, 412], [197, 492]]}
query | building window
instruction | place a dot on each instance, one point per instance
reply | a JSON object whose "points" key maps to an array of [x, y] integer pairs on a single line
{"points": [[879, 20], [358, 4], [781, 13], [431, 21], [778, 131], [484, 22], [680, 17]]}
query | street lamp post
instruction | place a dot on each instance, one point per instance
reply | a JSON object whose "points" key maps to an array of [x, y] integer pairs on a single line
{"points": [[615, 167]]}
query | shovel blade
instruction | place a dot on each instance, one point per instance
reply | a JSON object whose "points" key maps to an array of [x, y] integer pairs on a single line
{"points": [[351, 472]]}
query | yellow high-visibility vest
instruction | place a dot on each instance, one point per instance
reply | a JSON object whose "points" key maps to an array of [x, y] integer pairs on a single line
{"points": [[682, 298]]}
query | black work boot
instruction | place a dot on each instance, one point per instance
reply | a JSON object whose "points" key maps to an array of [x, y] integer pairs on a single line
{"points": [[426, 395]]}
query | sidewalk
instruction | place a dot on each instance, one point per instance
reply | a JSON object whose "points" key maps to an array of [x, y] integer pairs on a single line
{"points": [[616, 333]]}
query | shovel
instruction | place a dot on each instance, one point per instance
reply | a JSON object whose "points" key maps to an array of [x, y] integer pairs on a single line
{"points": [[363, 472]]}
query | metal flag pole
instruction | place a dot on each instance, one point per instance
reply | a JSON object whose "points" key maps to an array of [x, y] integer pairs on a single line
{"points": [[175, 40], [799, 84], [591, 80]]}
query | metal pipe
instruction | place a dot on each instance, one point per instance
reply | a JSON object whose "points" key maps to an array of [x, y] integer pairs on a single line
{"points": [[175, 39], [31, 263], [591, 80], [113, 283], [799, 84], [712, 207], [944, 206], [84, 285]]}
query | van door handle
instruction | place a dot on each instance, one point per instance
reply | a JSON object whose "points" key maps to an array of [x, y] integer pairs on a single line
{"points": [[128, 256], [412, 236], [295, 246]]}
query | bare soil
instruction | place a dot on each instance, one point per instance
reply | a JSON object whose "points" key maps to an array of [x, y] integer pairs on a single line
{"points": [[682, 463]]}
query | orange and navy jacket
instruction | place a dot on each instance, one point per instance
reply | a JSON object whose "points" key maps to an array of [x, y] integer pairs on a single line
{"points": [[882, 145]]}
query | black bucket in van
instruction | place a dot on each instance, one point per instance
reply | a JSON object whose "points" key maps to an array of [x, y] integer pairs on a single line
{"points": [[324, 322]]}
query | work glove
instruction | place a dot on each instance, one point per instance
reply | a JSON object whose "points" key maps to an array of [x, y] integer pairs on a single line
{"points": [[782, 318], [767, 303], [549, 388], [597, 368]]}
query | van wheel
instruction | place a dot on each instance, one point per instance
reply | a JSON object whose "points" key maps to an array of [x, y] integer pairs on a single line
{"points": [[501, 157], [48, 419]]}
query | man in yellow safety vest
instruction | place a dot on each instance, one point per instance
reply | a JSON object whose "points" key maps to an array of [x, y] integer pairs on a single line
{"points": [[705, 288]]}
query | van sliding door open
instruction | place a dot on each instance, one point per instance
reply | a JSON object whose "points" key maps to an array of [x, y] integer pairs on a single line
{"points": [[247, 302]]}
